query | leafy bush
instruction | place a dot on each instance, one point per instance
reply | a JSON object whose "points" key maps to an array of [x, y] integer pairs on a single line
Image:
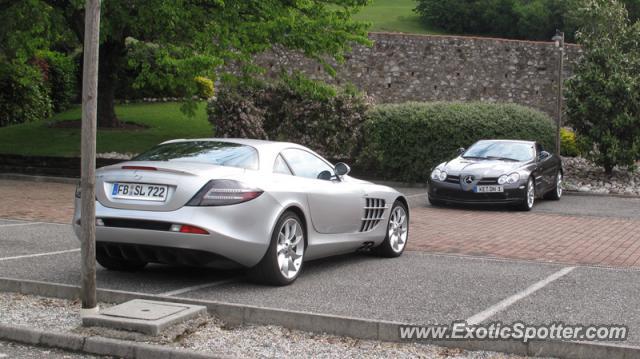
{"points": [[322, 117], [405, 141], [61, 76], [568, 145], [205, 87], [603, 96], [23, 95]]}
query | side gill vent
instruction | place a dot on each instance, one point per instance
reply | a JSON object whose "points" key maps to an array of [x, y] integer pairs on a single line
{"points": [[373, 213]]}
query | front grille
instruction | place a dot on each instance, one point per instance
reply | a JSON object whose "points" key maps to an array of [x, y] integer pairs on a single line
{"points": [[446, 193], [373, 213], [137, 224], [488, 180], [453, 179], [482, 181]]}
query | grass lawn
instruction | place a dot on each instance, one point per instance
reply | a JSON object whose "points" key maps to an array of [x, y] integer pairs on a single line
{"points": [[394, 16], [165, 121]]}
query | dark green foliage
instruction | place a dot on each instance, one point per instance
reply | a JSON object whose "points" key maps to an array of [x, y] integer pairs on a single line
{"points": [[404, 142], [295, 109], [519, 19], [62, 77], [23, 94], [159, 45], [603, 96]]}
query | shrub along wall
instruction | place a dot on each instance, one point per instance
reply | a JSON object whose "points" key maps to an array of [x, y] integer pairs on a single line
{"points": [[405, 141], [325, 118]]}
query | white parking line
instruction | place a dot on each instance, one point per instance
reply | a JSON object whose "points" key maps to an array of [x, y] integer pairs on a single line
{"points": [[507, 302], [3, 355], [197, 287], [40, 254], [417, 195], [19, 224]]}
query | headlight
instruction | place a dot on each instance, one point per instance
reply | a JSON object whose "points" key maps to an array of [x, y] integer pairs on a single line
{"points": [[435, 174], [511, 178], [443, 176]]}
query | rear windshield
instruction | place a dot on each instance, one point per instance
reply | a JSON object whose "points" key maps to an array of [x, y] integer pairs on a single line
{"points": [[212, 152]]}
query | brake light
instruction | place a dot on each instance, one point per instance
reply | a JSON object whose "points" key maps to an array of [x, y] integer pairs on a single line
{"points": [[140, 168], [224, 193], [184, 228]]}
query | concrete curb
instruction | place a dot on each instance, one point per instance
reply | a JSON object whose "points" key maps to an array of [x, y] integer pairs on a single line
{"points": [[237, 314], [95, 345]]}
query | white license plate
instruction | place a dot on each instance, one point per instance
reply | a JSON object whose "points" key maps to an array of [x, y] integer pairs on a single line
{"points": [[489, 189], [139, 191]]}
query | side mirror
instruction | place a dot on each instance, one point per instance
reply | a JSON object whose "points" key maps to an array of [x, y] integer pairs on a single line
{"points": [[461, 150], [342, 169], [543, 155]]}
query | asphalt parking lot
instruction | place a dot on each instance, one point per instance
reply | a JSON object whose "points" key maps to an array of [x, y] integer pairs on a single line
{"points": [[419, 287]]}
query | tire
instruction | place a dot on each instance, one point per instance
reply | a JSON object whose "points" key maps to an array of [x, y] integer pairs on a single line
{"points": [[436, 202], [287, 246], [397, 235], [556, 193], [117, 264], [529, 196]]}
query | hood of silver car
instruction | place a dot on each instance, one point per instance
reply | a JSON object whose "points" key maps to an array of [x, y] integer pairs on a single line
{"points": [[481, 168]]}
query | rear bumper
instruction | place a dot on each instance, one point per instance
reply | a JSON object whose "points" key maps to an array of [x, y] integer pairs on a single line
{"points": [[237, 234], [451, 192]]}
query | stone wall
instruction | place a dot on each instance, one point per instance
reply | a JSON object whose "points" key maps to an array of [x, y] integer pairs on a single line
{"points": [[404, 67]]}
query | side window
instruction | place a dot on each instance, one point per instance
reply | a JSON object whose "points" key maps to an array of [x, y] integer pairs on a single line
{"points": [[306, 164], [281, 167]]}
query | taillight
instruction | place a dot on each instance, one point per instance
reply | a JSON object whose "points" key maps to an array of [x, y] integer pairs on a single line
{"points": [[224, 193]]}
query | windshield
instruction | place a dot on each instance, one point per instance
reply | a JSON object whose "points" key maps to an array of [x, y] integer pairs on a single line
{"points": [[212, 152], [501, 150]]}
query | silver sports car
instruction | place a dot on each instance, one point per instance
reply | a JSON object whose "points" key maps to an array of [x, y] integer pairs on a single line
{"points": [[221, 203]]}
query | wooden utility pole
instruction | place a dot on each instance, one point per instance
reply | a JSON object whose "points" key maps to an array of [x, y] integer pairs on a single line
{"points": [[88, 143], [559, 40]]}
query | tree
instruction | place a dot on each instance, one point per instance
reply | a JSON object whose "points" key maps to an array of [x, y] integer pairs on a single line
{"points": [[603, 96], [192, 38]]}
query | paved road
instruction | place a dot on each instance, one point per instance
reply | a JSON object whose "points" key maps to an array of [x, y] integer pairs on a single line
{"points": [[10, 350], [418, 287]]}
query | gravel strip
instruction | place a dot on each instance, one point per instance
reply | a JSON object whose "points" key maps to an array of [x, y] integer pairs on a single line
{"points": [[583, 176], [212, 336]]}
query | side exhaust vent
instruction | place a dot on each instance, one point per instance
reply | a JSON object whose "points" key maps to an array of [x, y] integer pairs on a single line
{"points": [[373, 213]]}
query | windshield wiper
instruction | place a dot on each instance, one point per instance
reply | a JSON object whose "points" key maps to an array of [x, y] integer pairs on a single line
{"points": [[502, 158], [475, 157]]}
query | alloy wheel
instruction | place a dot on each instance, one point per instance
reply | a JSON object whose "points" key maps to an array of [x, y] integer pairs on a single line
{"points": [[531, 193], [559, 185], [290, 248], [398, 229]]}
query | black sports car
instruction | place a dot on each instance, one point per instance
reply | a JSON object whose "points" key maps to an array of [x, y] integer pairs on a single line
{"points": [[498, 171]]}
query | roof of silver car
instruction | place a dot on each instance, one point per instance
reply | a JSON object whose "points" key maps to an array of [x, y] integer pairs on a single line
{"points": [[514, 141], [240, 141]]}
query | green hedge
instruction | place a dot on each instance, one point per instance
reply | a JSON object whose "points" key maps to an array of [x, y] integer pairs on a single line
{"points": [[62, 77], [404, 142], [24, 96], [323, 117]]}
